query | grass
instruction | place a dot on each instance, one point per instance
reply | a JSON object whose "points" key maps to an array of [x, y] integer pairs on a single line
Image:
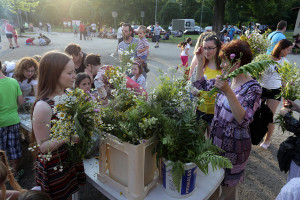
{"points": [[289, 36]]}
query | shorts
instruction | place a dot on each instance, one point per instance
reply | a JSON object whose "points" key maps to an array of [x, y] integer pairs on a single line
{"points": [[9, 35], [184, 60], [10, 141], [157, 38], [144, 57], [271, 94], [206, 117]]}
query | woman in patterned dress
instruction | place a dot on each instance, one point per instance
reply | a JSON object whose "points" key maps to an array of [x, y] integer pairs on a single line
{"points": [[234, 109], [57, 177]]}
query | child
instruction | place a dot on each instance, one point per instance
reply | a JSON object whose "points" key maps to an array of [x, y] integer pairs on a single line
{"points": [[42, 41], [15, 35], [137, 70], [83, 81], [5, 174], [34, 195], [11, 98], [184, 55], [143, 46], [29, 41]]}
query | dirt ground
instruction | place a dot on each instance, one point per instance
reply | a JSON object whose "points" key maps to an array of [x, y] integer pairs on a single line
{"points": [[263, 179]]}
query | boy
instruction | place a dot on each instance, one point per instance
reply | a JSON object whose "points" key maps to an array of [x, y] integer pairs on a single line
{"points": [[143, 46]]}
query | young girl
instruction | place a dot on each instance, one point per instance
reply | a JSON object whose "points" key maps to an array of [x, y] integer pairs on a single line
{"points": [[15, 35], [26, 74], [185, 47], [10, 98], [137, 71], [84, 82], [211, 47], [5, 174], [29, 41], [34, 195], [56, 74]]}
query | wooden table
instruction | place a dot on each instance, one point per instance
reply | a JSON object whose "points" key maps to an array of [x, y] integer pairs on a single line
{"points": [[205, 184]]}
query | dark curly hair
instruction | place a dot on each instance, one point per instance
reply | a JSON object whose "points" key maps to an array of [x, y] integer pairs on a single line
{"points": [[240, 48]]}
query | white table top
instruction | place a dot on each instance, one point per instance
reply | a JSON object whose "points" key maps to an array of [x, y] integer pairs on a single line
{"points": [[25, 121], [205, 184]]}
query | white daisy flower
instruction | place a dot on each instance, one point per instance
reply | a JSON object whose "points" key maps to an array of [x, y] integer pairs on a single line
{"points": [[61, 115]]}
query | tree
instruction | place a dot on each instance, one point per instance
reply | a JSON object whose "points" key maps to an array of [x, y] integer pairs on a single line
{"points": [[18, 6], [170, 11], [83, 10], [207, 16], [219, 13]]}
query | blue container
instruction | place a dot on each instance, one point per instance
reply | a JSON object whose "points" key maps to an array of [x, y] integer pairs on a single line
{"points": [[187, 183]]}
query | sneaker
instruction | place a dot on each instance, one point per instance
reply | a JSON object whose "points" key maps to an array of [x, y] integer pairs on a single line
{"points": [[265, 145]]}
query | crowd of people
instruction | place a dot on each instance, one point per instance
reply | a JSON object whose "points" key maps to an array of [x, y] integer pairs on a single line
{"points": [[228, 114]]}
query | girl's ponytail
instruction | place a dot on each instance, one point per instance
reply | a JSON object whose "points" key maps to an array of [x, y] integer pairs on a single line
{"points": [[15, 185]]}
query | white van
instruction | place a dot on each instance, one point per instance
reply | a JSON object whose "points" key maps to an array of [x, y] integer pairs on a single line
{"points": [[187, 25]]}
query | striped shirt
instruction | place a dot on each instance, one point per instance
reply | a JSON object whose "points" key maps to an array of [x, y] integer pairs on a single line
{"points": [[143, 43]]}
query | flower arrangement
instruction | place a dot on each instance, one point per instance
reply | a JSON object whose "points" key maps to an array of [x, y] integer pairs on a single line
{"points": [[129, 116], [290, 76], [181, 138], [259, 44], [78, 117], [127, 56]]}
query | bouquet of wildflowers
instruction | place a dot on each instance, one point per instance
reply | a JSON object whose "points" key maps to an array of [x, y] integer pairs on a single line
{"points": [[290, 76], [127, 57], [259, 44], [77, 116], [129, 116], [181, 137]]}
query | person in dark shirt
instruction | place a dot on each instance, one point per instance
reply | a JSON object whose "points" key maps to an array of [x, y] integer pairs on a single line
{"points": [[292, 125], [78, 57]]}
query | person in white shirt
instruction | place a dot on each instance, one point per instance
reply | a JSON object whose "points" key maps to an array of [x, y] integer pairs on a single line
{"points": [[119, 34], [185, 48], [26, 74], [42, 41], [271, 83], [157, 31]]}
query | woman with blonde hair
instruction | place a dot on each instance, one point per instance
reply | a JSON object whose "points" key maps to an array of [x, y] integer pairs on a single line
{"points": [[26, 74]]}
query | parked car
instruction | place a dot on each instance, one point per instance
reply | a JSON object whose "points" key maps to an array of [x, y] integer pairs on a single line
{"points": [[199, 30]]}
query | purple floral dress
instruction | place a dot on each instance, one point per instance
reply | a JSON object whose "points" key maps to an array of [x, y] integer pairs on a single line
{"points": [[228, 134]]}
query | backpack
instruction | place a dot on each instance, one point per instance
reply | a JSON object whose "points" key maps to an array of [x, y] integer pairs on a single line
{"points": [[261, 119], [286, 153]]}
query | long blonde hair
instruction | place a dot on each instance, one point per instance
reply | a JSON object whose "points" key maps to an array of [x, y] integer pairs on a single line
{"points": [[5, 173]]}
